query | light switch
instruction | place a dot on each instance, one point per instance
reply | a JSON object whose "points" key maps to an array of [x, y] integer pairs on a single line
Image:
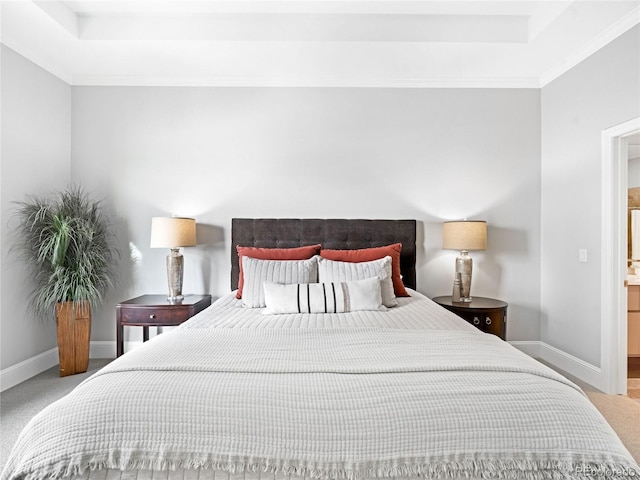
{"points": [[582, 255]]}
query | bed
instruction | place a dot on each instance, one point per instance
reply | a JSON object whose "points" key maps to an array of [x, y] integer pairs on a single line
{"points": [[405, 391]]}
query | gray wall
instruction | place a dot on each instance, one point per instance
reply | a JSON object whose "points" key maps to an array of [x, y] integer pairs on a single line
{"points": [[429, 154], [216, 153], [36, 159], [599, 93]]}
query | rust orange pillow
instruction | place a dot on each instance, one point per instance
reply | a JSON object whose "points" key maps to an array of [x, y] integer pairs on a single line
{"points": [[296, 253], [369, 254]]}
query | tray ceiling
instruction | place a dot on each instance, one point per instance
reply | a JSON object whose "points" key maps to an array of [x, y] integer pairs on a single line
{"points": [[360, 43]]}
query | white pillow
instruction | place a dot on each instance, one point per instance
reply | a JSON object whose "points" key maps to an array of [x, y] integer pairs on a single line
{"points": [[323, 297], [335, 271], [256, 272]]}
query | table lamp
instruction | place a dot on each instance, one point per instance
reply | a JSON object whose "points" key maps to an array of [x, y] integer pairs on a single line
{"points": [[464, 235], [173, 233]]}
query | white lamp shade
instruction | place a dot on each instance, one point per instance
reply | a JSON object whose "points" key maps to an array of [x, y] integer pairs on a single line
{"points": [[465, 235], [173, 232]]}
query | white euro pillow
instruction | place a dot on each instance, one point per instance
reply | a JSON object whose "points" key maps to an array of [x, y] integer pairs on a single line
{"points": [[336, 271], [257, 272], [334, 297]]}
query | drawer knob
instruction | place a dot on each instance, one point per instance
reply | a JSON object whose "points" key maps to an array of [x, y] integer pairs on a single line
{"points": [[488, 320], [476, 321], [153, 315]]}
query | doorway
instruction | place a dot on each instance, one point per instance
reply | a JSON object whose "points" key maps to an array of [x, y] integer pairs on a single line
{"points": [[633, 288], [614, 255]]}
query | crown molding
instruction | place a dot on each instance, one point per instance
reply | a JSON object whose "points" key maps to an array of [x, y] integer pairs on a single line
{"points": [[62, 67], [44, 63], [624, 24], [61, 14], [165, 81], [61, 72], [292, 82]]}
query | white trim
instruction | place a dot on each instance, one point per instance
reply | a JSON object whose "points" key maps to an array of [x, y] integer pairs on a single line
{"points": [[621, 26], [15, 374], [60, 13], [18, 373], [102, 349], [293, 82], [572, 365], [55, 70], [62, 71], [562, 360], [530, 347], [613, 253], [107, 349]]}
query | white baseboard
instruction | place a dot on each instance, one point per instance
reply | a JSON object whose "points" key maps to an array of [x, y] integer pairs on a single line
{"points": [[107, 349], [22, 371], [580, 369], [530, 347], [18, 373]]}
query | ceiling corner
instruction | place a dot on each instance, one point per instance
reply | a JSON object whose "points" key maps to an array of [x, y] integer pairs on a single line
{"points": [[61, 14]]}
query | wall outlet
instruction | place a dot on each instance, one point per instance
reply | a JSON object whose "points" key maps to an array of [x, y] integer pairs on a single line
{"points": [[582, 255]]}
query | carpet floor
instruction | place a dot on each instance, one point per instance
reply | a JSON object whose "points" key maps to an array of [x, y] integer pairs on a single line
{"points": [[621, 412], [20, 403]]}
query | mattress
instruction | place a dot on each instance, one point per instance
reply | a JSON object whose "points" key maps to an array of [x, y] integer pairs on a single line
{"points": [[410, 392]]}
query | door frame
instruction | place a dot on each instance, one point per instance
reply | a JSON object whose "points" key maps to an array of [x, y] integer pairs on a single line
{"points": [[613, 351]]}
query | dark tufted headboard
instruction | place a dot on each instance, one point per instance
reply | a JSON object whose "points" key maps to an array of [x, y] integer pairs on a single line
{"points": [[336, 234]]}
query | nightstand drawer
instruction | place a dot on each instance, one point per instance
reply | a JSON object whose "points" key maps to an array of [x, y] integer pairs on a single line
{"points": [[157, 316], [489, 322]]}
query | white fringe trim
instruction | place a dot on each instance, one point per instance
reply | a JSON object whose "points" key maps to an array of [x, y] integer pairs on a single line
{"points": [[507, 469]]}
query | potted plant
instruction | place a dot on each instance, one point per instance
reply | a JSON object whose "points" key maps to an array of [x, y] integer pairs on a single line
{"points": [[66, 241]]}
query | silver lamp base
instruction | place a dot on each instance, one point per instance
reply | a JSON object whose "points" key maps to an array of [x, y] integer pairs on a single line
{"points": [[464, 267], [175, 269]]}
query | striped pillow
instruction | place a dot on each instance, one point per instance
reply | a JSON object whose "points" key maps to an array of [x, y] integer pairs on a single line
{"points": [[374, 253], [323, 297], [257, 271], [295, 253], [335, 271]]}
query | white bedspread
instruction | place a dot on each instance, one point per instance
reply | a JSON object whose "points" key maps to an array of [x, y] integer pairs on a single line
{"points": [[415, 312], [346, 402]]}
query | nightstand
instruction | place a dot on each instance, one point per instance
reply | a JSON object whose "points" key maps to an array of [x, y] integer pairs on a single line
{"points": [[487, 314], [155, 311]]}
